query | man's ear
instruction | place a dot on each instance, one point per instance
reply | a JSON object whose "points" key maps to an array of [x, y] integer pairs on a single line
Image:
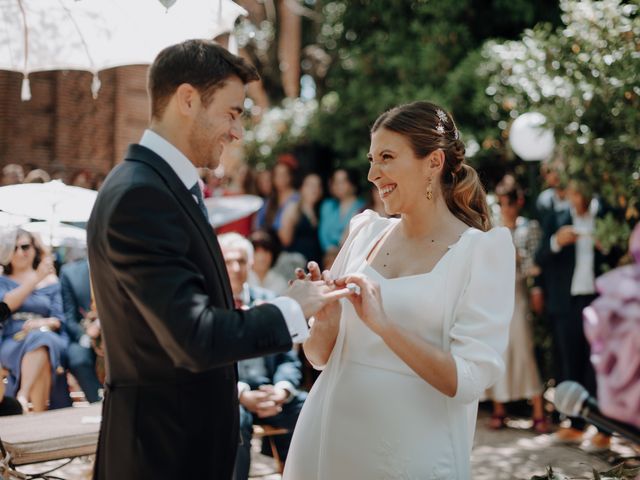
{"points": [[187, 99]]}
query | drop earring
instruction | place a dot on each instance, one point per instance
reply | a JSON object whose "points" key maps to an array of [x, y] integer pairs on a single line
{"points": [[429, 191]]}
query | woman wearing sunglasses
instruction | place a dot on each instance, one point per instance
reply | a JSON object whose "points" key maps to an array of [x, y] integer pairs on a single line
{"points": [[33, 338]]}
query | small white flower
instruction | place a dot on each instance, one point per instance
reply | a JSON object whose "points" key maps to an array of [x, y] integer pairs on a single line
{"points": [[442, 116], [456, 134], [440, 129]]}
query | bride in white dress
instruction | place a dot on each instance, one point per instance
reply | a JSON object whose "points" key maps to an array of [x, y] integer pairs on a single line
{"points": [[406, 360]]}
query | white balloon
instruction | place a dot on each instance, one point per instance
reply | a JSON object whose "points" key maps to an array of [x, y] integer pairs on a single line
{"points": [[167, 3], [530, 139]]}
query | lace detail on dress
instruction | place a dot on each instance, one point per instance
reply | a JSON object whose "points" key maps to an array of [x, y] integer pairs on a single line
{"points": [[393, 465]]}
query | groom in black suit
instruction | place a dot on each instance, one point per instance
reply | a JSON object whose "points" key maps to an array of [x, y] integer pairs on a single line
{"points": [[171, 333]]}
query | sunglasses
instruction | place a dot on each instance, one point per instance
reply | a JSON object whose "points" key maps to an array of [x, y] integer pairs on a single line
{"points": [[25, 248]]}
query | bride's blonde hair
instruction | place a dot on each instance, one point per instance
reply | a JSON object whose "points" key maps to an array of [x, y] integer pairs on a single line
{"points": [[429, 127]]}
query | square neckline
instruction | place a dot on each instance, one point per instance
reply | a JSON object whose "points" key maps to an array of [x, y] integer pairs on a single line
{"points": [[385, 232]]}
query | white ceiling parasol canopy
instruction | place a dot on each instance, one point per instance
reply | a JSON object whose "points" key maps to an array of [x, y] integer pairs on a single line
{"points": [[55, 234], [53, 201], [93, 35]]}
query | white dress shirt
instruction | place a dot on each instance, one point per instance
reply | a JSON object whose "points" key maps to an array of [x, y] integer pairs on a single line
{"points": [[583, 281], [188, 175]]}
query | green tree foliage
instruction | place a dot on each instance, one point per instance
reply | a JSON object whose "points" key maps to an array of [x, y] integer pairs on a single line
{"points": [[395, 51], [584, 77]]}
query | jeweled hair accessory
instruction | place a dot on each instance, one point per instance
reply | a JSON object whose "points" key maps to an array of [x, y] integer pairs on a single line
{"points": [[456, 134], [443, 120]]}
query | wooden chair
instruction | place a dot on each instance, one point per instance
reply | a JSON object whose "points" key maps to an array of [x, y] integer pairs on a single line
{"points": [[265, 431]]}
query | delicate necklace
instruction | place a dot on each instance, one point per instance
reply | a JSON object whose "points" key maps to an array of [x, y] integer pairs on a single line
{"points": [[431, 243]]}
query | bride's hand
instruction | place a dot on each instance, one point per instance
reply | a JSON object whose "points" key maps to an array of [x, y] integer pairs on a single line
{"points": [[367, 303], [331, 311]]}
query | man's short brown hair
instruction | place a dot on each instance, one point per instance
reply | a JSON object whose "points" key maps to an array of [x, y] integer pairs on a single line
{"points": [[203, 64]]}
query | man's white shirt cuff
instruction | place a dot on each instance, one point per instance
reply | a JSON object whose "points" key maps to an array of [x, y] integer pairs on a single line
{"points": [[288, 386], [294, 317], [243, 387]]}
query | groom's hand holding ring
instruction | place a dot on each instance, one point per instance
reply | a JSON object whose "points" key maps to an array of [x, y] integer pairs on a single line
{"points": [[314, 295], [332, 309]]}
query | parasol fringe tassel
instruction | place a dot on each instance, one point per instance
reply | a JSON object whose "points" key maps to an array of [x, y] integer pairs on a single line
{"points": [[25, 92], [95, 86]]}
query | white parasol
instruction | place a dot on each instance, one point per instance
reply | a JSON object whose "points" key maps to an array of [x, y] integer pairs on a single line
{"points": [[93, 35]]}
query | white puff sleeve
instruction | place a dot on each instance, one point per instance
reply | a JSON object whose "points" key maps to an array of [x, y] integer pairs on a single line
{"points": [[480, 330]]}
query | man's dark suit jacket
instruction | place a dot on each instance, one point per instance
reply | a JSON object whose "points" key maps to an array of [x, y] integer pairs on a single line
{"points": [[558, 267], [171, 336], [76, 296]]}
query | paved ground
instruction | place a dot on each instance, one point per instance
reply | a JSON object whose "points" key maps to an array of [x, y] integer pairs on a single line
{"points": [[514, 453]]}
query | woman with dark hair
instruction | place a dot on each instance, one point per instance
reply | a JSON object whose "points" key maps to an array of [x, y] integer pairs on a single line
{"points": [[336, 212], [299, 227], [521, 379], [406, 359], [33, 339], [282, 194]]}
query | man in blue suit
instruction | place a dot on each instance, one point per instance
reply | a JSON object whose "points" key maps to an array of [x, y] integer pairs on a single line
{"points": [[76, 300], [268, 387]]}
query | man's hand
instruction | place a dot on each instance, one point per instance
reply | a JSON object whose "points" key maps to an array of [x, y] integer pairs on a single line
{"points": [[536, 300], [332, 310], [566, 236], [277, 394], [93, 329], [260, 403], [314, 295]]}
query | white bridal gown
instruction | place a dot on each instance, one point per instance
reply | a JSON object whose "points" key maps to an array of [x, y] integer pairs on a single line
{"points": [[369, 416]]}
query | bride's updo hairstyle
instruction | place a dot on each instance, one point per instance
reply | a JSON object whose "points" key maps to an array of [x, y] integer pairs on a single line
{"points": [[429, 127]]}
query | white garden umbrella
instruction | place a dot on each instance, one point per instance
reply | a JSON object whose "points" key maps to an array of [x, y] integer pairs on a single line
{"points": [[55, 234], [224, 210], [53, 201], [93, 35], [9, 220]]}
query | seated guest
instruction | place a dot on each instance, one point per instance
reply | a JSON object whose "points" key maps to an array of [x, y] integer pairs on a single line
{"points": [[76, 301], [267, 249], [37, 176], [268, 386], [34, 339], [8, 405], [12, 174]]}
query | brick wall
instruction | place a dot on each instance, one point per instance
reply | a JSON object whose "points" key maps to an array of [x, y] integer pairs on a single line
{"points": [[63, 128]]}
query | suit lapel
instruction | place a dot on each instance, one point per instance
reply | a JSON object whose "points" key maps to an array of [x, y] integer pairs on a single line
{"points": [[138, 153]]}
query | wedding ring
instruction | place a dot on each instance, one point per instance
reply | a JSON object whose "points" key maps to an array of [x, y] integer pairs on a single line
{"points": [[353, 288]]}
